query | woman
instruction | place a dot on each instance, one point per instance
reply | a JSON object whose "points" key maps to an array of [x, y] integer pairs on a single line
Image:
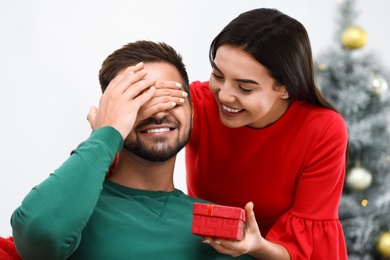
{"points": [[264, 138], [264, 133]]}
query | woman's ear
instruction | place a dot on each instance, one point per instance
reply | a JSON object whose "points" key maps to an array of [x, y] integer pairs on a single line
{"points": [[284, 93]]}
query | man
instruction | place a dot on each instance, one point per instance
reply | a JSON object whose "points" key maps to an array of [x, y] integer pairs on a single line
{"points": [[83, 210]]}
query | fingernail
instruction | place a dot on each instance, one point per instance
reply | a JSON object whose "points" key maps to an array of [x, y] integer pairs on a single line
{"points": [[178, 85], [173, 104], [139, 64], [181, 100], [217, 242], [184, 94], [206, 241]]}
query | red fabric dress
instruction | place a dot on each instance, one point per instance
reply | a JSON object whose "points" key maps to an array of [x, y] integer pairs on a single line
{"points": [[8, 249], [293, 171]]}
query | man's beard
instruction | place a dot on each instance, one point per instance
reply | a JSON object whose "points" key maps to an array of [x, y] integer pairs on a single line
{"points": [[160, 151]]}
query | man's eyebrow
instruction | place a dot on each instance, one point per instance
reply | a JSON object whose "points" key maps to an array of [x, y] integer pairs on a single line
{"points": [[251, 81]]}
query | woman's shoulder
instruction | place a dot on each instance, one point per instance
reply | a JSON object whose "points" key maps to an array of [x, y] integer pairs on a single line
{"points": [[320, 120], [200, 88], [313, 112], [199, 84], [201, 94]]}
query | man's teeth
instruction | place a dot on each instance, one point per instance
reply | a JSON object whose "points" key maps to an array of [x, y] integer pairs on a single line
{"points": [[231, 110], [158, 130]]}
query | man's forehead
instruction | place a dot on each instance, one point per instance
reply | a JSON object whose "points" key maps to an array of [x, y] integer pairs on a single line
{"points": [[162, 70]]}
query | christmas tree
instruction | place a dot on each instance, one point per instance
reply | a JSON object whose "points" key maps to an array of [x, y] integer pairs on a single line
{"points": [[356, 84]]}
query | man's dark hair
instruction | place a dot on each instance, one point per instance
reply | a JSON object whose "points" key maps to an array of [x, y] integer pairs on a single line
{"points": [[141, 51]]}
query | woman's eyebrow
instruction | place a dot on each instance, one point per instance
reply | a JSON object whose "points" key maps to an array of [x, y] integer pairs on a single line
{"points": [[247, 81], [214, 66]]}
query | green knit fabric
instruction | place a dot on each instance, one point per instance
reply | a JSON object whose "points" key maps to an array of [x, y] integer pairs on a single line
{"points": [[77, 214]]}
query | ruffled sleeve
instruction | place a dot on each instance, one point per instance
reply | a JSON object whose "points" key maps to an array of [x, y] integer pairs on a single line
{"points": [[322, 239]]}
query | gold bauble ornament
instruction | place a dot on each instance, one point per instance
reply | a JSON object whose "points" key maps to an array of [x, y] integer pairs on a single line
{"points": [[383, 244], [354, 37], [359, 179]]}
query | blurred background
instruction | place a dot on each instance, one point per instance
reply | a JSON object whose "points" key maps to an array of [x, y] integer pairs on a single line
{"points": [[51, 51]]}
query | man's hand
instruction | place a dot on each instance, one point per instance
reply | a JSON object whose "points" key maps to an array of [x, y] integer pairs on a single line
{"points": [[120, 102], [168, 94]]}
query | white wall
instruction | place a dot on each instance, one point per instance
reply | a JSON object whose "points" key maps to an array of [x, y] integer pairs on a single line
{"points": [[51, 51]]}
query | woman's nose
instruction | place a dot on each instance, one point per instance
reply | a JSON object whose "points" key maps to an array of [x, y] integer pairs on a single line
{"points": [[226, 94]]}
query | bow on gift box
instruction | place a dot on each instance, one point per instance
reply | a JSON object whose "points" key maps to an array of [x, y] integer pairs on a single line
{"points": [[210, 208]]}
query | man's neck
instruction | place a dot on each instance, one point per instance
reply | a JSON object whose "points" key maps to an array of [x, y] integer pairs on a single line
{"points": [[134, 172]]}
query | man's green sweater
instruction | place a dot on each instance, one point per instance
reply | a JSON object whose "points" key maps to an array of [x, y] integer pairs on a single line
{"points": [[77, 214]]}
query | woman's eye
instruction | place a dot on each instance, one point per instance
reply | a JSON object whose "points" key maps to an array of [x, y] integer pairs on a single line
{"points": [[216, 76], [245, 90]]}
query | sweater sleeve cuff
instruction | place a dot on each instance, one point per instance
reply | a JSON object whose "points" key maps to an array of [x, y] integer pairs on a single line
{"points": [[109, 136]]}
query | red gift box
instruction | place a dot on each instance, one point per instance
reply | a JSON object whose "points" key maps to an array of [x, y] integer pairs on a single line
{"points": [[218, 221]]}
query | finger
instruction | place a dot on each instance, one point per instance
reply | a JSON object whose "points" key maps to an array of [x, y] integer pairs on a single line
{"points": [[224, 246], [251, 222], [129, 80], [137, 88], [124, 80], [128, 71], [170, 93], [115, 81], [135, 68], [144, 97], [92, 116], [155, 102], [168, 84], [146, 111]]}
